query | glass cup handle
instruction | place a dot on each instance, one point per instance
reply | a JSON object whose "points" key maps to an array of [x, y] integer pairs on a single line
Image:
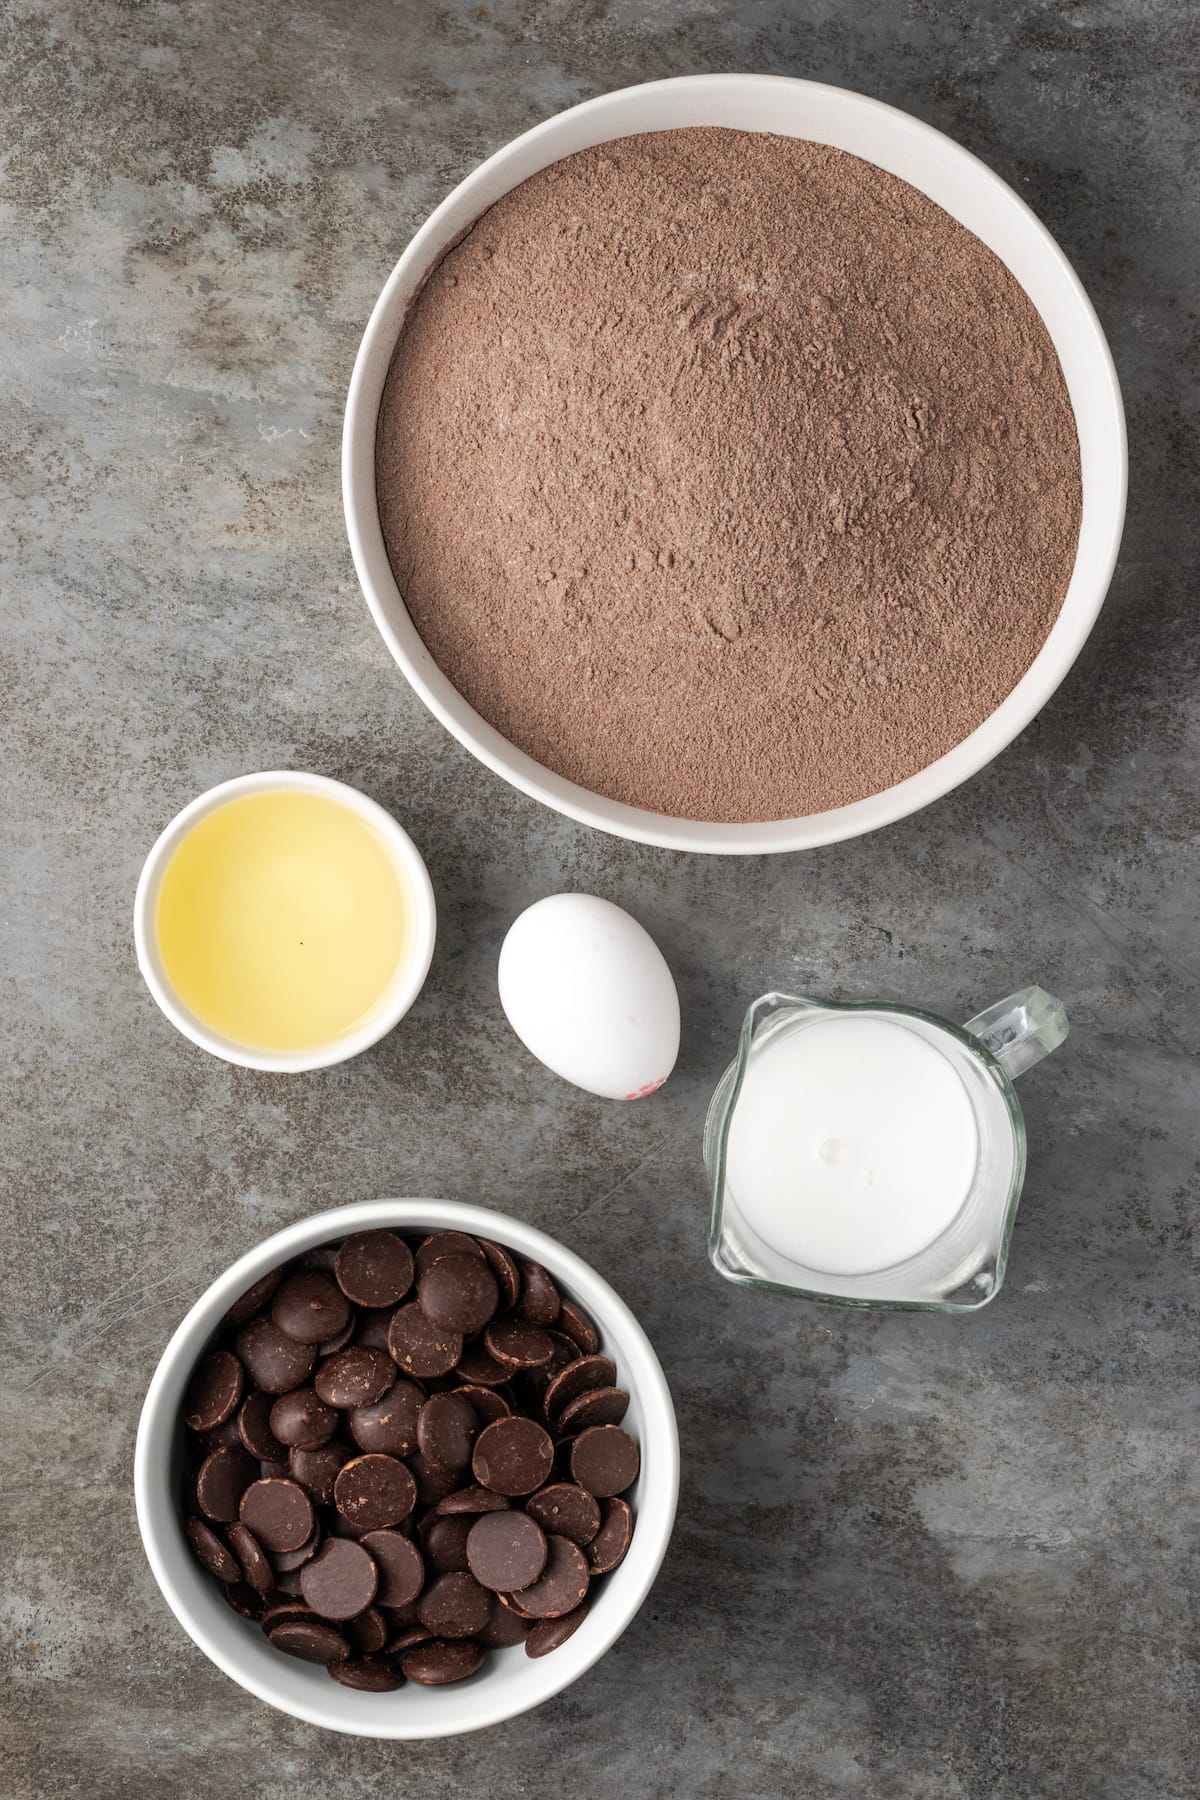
{"points": [[1022, 1029]]}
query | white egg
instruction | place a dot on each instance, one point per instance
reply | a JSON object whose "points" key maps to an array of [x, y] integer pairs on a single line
{"points": [[588, 991]]}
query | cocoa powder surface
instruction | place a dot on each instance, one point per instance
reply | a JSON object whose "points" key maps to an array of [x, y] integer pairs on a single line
{"points": [[727, 475]]}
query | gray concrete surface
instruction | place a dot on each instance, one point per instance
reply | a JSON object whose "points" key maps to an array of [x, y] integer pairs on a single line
{"points": [[915, 1557]]}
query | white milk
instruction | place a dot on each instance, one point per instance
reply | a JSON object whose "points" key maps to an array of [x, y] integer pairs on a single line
{"points": [[853, 1144]]}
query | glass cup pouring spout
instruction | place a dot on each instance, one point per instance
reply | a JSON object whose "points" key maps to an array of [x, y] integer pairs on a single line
{"points": [[962, 1265]]}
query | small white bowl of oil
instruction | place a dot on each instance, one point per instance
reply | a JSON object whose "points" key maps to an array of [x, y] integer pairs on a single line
{"points": [[284, 921]]}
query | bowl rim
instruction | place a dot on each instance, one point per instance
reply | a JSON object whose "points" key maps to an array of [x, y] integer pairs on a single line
{"points": [[158, 1422], [1044, 675], [405, 986]]}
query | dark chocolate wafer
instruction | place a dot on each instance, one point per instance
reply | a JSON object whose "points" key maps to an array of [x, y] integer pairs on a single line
{"points": [[310, 1307], [354, 1377], [208, 1549], [214, 1391], [302, 1420], [279, 1513], [445, 1243], [454, 1606], [506, 1551], [612, 1540], [399, 1564], [562, 1585], [447, 1427], [273, 1361], [340, 1580], [604, 1460], [223, 1478], [310, 1639], [317, 1470], [599, 1406], [458, 1293], [374, 1491], [253, 1300], [538, 1300], [256, 1570], [374, 1268], [370, 1674], [575, 1379], [438, 1662], [567, 1510], [513, 1456], [420, 1347], [548, 1634], [389, 1425], [574, 1321]]}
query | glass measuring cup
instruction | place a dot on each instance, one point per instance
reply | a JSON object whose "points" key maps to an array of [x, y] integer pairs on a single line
{"points": [[963, 1266]]}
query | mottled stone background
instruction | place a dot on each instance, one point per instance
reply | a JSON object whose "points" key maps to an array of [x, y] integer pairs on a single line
{"points": [[916, 1558]]}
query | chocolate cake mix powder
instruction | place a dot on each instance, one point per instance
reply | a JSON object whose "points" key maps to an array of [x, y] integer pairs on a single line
{"points": [[727, 475]]}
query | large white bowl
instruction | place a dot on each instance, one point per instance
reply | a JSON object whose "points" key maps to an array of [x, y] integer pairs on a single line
{"points": [[510, 1682], [960, 184]]}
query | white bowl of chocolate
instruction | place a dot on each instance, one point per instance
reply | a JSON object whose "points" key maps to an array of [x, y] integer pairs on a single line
{"points": [[734, 464], [407, 1469]]}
